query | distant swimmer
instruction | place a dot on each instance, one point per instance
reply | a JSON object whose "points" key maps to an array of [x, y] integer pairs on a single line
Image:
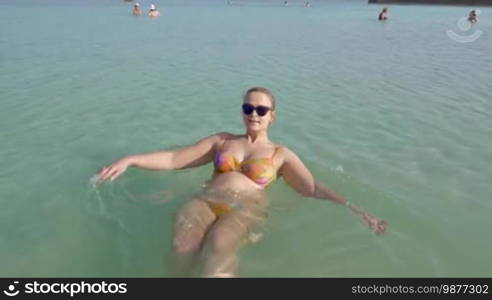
{"points": [[136, 10], [473, 16], [153, 12], [286, 3], [307, 4], [383, 16]]}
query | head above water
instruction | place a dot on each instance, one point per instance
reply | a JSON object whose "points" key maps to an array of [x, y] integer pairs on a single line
{"points": [[262, 90], [385, 9], [259, 112]]}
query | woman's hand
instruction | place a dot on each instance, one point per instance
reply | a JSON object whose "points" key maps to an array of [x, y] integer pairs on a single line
{"points": [[377, 225], [114, 170]]}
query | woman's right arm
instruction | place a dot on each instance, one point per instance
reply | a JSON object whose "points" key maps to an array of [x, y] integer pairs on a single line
{"points": [[195, 155], [300, 178]]}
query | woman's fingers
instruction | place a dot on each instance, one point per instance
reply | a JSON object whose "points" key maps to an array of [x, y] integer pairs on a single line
{"points": [[107, 173], [377, 225], [116, 174], [112, 171], [382, 226], [103, 173], [113, 174], [101, 170]]}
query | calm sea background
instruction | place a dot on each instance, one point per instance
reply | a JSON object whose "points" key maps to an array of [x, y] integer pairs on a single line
{"points": [[396, 116]]}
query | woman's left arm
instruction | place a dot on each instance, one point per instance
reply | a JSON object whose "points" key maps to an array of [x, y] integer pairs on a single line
{"points": [[298, 176]]}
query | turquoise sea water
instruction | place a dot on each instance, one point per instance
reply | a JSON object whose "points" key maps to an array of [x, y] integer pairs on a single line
{"points": [[395, 116]]}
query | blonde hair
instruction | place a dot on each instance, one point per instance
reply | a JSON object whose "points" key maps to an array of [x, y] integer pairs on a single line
{"points": [[263, 90]]}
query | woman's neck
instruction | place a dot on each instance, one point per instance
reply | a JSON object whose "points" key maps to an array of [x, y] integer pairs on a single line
{"points": [[257, 137]]}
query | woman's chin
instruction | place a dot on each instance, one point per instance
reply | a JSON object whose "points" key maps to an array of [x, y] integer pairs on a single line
{"points": [[253, 131], [253, 128]]}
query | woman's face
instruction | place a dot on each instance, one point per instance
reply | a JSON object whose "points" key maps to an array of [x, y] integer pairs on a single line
{"points": [[253, 121]]}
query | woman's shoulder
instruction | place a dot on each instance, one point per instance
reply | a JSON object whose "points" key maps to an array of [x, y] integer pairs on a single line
{"points": [[221, 137], [224, 135], [281, 147], [284, 152]]}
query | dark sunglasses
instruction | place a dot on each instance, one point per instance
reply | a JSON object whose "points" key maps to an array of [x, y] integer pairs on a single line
{"points": [[260, 109]]}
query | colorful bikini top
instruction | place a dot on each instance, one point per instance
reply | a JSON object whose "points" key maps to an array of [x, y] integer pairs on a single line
{"points": [[260, 170]]}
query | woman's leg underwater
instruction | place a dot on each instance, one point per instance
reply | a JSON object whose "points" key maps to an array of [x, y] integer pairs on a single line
{"points": [[190, 227], [226, 237]]}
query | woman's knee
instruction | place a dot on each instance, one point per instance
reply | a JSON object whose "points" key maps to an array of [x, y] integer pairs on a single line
{"points": [[185, 246], [223, 241]]}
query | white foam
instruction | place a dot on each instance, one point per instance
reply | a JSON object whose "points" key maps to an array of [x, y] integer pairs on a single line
{"points": [[94, 179], [340, 169]]}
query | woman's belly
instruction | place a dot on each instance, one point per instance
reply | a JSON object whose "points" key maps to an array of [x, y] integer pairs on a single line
{"points": [[234, 181], [235, 188]]}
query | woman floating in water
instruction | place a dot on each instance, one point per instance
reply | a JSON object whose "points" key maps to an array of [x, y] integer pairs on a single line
{"points": [[136, 9], [383, 15], [153, 12], [233, 202]]}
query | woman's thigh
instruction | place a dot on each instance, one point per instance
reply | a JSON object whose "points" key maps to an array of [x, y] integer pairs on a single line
{"points": [[233, 228], [191, 224]]}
